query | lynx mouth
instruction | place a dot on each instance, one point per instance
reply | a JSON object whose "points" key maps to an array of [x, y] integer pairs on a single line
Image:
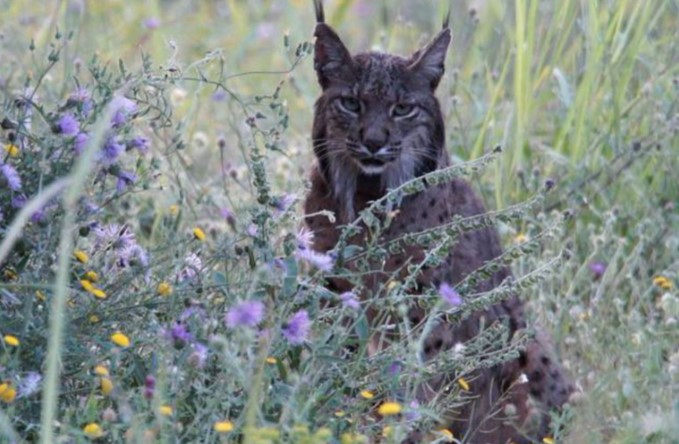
{"points": [[372, 165], [372, 162]]}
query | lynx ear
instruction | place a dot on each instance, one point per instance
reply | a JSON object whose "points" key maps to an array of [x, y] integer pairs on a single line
{"points": [[332, 60], [429, 61]]}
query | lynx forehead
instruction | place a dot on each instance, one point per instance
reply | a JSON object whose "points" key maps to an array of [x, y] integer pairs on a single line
{"points": [[378, 124]]}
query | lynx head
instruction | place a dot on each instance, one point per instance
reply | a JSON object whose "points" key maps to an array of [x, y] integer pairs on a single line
{"points": [[377, 123]]}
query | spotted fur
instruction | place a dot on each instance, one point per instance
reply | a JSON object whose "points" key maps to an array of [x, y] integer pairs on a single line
{"points": [[378, 124]]}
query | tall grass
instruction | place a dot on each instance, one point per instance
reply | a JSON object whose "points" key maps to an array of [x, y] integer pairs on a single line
{"points": [[577, 91]]}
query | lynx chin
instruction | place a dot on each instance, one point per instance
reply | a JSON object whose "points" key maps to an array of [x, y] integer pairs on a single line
{"points": [[378, 124]]}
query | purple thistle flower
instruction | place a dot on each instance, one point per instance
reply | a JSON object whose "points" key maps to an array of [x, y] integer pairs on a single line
{"points": [[112, 149], [68, 125], [113, 236], [413, 414], [38, 216], [179, 335], [449, 295], [80, 95], [297, 328], [125, 178], [219, 95], [252, 230], [151, 23], [245, 314], [198, 357], [132, 254], [319, 260], [395, 368], [19, 201], [83, 97], [349, 300], [229, 216], [124, 108], [283, 203], [11, 177], [305, 238], [140, 143], [597, 268], [150, 382], [80, 141], [149, 386]]}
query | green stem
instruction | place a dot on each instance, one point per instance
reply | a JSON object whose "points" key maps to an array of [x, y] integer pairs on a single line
{"points": [[76, 181]]}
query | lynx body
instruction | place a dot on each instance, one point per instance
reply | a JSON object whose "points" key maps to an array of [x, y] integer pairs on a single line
{"points": [[377, 125]]}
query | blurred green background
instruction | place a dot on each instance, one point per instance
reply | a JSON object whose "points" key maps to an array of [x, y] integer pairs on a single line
{"points": [[584, 92]]}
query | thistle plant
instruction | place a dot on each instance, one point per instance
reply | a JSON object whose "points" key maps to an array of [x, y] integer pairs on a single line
{"points": [[156, 284]]}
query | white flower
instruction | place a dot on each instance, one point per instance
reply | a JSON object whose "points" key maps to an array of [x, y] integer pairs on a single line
{"points": [[29, 384], [193, 266]]}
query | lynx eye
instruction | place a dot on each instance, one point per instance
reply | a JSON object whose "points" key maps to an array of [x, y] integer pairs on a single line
{"points": [[402, 110], [350, 104]]}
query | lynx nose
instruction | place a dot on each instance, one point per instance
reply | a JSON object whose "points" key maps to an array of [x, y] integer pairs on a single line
{"points": [[374, 137]]}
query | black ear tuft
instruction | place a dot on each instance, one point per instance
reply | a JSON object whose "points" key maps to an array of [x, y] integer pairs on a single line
{"points": [[446, 20], [429, 62], [332, 60], [320, 14]]}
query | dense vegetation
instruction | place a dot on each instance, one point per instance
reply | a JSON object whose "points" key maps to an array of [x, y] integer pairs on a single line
{"points": [[155, 285]]}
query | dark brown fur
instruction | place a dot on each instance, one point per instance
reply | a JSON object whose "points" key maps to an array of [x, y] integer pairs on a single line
{"points": [[501, 410]]}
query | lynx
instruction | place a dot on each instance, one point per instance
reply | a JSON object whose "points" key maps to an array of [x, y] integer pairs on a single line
{"points": [[378, 124]]}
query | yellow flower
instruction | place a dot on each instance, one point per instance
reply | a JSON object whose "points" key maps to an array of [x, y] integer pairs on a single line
{"points": [[174, 209], [93, 319], [120, 339], [87, 285], [92, 276], [353, 438], [106, 385], [91, 289], [12, 150], [10, 274], [164, 289], [463, 383], [662, 282], [223, 426], [548, 440], [165, 410], [81, 256], [7, 393], [367, 394], [447, 434], [520, 238], [100, 370], [387, 432], [11, 340], [389, 408], [93, 430], [271, 360], [198, 234]]}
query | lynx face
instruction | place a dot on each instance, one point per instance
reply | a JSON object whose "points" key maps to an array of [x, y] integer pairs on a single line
{"points": [[377, 123]]}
